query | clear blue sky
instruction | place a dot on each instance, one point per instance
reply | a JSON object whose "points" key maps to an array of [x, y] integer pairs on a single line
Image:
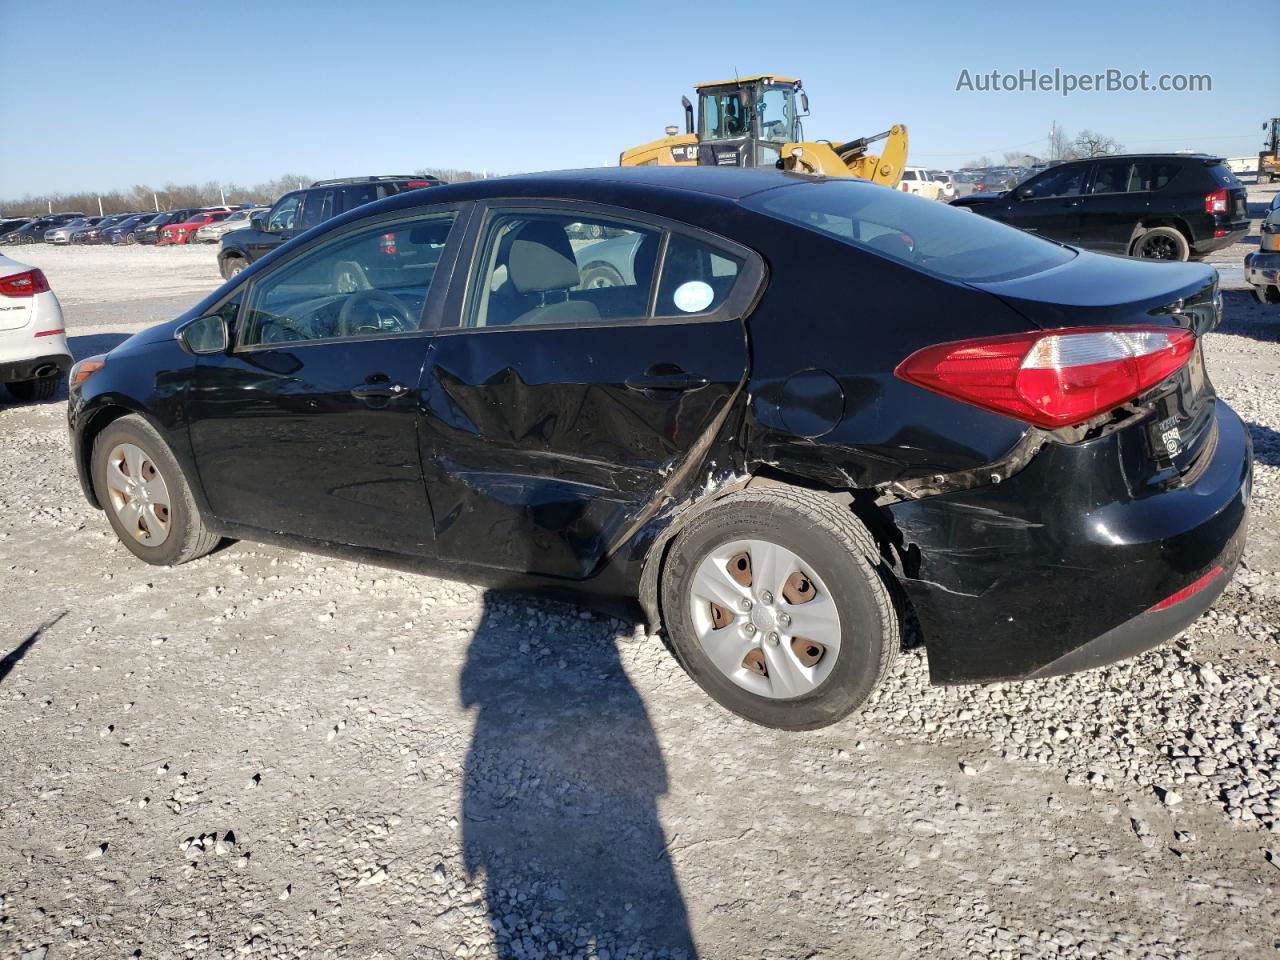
{"points": [[106, 95]]}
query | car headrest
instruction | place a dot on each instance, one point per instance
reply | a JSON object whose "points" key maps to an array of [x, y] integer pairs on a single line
{"points": [[541, 258]]}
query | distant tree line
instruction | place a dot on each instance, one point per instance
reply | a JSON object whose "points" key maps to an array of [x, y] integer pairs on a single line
{"points": [[1062, 147], [172, 196]]}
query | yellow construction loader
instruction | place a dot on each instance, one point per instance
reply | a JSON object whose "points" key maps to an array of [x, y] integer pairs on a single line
{"points": [[755, 122]]}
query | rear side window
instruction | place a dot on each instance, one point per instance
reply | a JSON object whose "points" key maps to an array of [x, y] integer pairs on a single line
{"points": [[1150, 175], [947, 241]]}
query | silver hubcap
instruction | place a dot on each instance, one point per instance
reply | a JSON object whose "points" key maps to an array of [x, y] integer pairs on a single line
{"points": [[765, 619], [138, 494]]}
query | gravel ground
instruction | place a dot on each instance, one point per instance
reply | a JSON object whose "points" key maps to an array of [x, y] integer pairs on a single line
{"points": [[275, 754]]}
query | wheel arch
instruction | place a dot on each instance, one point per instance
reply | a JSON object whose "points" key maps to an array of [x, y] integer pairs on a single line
{"points": [[94, 423], [860, 502], [1147, 224]]}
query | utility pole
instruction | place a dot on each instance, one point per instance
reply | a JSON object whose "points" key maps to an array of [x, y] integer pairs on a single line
{"points": [[100, 206], [50, 206], [224, 196], [156, 201]]}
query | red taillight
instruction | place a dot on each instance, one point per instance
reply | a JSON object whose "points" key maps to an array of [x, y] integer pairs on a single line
{"points": [[1188, 591], [24, 284], [414, 184], [1215, 202], [50, 333], [389, 244], [1055, 379]]}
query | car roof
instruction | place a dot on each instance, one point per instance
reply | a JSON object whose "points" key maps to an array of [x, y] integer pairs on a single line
{"points": [[722, 182]]}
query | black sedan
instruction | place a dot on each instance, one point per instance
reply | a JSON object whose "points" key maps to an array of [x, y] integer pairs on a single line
{"points": [[804, 407]]}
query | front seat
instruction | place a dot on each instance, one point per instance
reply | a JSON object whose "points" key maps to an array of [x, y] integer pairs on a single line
{"points": [[541, 263]]}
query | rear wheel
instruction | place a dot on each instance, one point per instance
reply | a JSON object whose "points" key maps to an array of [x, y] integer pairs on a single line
{"points": [[34, 391], [599, 275], [130, 238], [1162, 243], [775, 607], [145, 495]]}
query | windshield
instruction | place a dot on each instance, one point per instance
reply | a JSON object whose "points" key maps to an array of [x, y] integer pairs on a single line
{"points": [[724, 116], [950, 242]]}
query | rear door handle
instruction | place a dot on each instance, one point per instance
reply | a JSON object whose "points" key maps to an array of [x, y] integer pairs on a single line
{"points": [[384, 391], [667, 381]]}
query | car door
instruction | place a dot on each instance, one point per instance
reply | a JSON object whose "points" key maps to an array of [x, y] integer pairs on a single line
{"points": [[1048, 204], [559, 411], [1112, 205], [281, 224], [308, 425]]}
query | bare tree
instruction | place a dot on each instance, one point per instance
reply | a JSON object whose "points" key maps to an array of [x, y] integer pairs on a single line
{"points": [[982, 161], [1060, 148], [1089, 143]]}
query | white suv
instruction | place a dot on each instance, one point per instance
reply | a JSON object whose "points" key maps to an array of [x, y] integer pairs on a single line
{"points": [[33, 340]]}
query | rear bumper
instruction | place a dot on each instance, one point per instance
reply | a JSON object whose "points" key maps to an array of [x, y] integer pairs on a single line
{"points": [[1262, 269], [1057, 568], [1206, 242], [33, 368]]}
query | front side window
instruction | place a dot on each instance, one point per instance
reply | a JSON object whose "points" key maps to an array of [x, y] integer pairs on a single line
{"points": [[723, 116], [372, 281], [1062, 182], [285, 213], [951, 242]]}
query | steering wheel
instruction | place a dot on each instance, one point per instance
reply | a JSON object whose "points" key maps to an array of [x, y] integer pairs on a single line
{"points": [[365, 298]]}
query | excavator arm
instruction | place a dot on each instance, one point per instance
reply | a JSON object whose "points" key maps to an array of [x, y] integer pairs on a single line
{"points": [[851, 159]]}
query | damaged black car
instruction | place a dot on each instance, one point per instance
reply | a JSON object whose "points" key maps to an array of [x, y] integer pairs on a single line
{"points": [[777, 416]]}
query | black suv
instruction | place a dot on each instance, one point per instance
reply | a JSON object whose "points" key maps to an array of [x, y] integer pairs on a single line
{"points": [[1160, 206], [300, 210]]}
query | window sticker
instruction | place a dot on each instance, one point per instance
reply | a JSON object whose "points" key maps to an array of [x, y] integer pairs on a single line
{"points": [[693, 297]]}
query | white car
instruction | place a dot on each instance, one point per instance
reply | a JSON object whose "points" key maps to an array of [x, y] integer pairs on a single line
{"points": [[919, 181], [239, 220], [946, 184], [33, 339]]}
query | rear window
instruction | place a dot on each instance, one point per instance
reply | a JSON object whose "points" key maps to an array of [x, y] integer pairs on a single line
{"points": [[950, 242], [1223, 176]]}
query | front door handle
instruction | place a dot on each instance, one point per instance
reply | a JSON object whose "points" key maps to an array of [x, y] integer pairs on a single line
{"points": [[1071, 203], [678, 380], [378, 391]]}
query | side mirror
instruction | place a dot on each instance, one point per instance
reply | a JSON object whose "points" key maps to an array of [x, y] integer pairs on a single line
{"points": [[205, 335], [258, 221], [804, 104]]}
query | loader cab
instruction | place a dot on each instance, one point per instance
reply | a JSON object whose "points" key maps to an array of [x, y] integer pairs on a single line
{"points": [[745, 123]]}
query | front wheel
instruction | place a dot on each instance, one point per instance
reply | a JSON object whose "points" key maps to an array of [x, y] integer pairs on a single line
{"points": [[231, 266], [130, 239], [775, 606], [1162, 243], [145, 495]]}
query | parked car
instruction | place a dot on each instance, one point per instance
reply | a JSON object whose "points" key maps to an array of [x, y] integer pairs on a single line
{"points": [[1262, 267], [238, 220], [183, 232], [126, 231], [1158, 206], [300, 210], [919, 181], [11, 224], [946, 186], [150, 231], [93, 232], [35, 231], [62, 233], [1011, 425], [33, 342]]}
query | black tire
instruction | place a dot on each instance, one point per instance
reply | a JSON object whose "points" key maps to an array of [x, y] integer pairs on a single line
{"points": [[600, 275], [34, 391], [842, 553], [130, 239], [1162, 243], [231, 266], [187, 538]]}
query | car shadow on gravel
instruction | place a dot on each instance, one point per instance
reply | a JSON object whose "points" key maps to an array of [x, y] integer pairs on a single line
{"points": [[1266, 445], [562, 783], [17, 653], [89, 344]]}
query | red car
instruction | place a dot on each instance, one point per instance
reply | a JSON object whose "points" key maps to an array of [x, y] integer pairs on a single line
{"points": [[184, 231]]}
